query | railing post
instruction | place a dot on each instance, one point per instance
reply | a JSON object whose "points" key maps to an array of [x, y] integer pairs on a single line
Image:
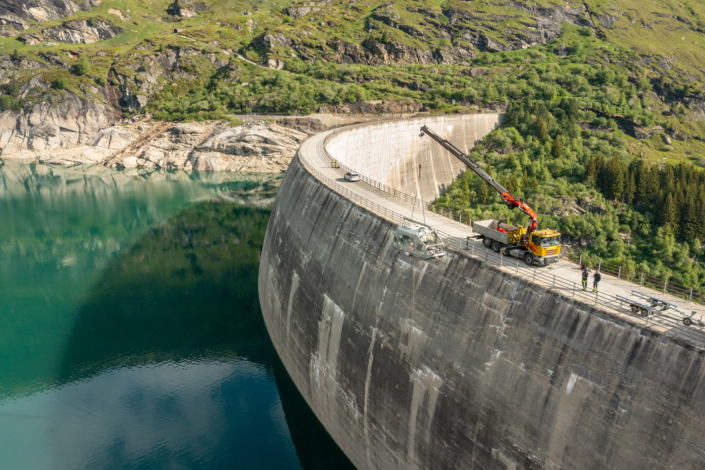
{"points": [[690, 297], [461, 217], [599, 264], [665, 283], [641, 283], [441, 212], [500, 258], [517, 266], [486, 255], [573, 288], [534, 274], [581, 260], [473, 249], [619, 273], [554, 281], [596, 294]]}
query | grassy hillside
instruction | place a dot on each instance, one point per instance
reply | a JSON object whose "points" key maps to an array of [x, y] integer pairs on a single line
{"points": [[598, 93]]}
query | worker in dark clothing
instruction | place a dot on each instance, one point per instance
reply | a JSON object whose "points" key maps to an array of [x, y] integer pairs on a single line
{"points": [[596, 280], [585, 277]]}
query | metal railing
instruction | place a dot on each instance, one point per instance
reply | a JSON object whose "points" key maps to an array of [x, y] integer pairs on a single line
{"points": [[661, 285], [673, 325]]}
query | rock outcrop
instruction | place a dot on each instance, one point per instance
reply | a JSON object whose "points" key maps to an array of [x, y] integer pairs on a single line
{"points": [[40, 10], [46, 126], [82, 32], [257, 147]]}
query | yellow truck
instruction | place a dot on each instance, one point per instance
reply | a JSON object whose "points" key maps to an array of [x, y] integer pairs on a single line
{"points": [[543, 247]]}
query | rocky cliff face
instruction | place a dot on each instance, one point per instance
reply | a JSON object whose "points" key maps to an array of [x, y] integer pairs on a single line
{"points": [[78, 136], [66, 122], [41, 10]]}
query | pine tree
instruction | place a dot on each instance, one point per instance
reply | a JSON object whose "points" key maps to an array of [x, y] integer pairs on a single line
{"points": [[689, 227], [556, 150], [484, 194], [525, 181], [614, 178], [669, 213], [630, 188], [591, 173], [541, 130], [533, 186]]}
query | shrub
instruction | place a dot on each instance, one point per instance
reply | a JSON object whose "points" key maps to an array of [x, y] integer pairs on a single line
{"points": [[83, 66], [9, 103], [16, 55], [61, 83]]}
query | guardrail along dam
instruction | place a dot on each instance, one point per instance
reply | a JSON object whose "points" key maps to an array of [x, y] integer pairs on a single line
{"points": [[467, 361]]}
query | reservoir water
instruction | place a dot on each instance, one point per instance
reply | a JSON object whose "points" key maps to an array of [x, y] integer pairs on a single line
{"points": [[130, 330]]}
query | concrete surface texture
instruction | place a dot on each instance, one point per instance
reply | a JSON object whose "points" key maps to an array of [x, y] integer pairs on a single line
{"points": [[453, 363], [391, 152]]}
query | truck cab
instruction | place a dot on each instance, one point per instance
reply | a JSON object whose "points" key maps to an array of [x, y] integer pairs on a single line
{"points": [[546, 244]]}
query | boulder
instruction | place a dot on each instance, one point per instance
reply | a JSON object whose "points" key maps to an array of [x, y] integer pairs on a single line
{"points": [[113, 138]]}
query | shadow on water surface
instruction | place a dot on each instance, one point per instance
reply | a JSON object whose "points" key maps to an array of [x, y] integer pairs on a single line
{"points": [[150, 356], [185, 293]]}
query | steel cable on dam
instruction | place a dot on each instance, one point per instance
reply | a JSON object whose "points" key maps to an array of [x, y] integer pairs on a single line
{"points": [[463, 361]]}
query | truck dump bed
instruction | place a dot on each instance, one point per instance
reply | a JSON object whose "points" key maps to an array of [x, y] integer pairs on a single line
{"points": [[489, 228]]}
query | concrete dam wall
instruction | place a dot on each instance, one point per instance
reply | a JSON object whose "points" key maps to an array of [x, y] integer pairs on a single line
{"points": [[453, 363], [391, 152]]}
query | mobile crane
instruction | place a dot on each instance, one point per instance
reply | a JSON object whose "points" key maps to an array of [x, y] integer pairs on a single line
{"points": [[535, 247]]}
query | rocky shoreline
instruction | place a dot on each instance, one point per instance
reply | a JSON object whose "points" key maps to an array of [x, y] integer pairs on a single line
{"points": [[254, 147]]}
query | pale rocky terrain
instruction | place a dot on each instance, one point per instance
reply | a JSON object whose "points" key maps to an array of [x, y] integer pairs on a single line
{"points": [[256, 147]]}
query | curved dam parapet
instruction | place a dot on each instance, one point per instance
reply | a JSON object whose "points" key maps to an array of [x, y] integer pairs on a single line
{"points": [[456, 362], [391, 152]]}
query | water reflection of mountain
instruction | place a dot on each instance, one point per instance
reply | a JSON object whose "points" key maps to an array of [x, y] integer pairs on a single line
{"points": [[186, 289], [163, 358]]}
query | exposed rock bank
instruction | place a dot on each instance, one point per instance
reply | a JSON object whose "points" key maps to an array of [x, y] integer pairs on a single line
{"points": [[256, 147]]}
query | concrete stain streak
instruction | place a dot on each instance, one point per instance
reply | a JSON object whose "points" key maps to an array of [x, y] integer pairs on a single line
{"points": [[426, 384], [368, 379], [357, 287], [292, 292]]}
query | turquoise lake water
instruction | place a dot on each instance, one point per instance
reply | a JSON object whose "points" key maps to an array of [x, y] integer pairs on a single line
{"points": [[130, 328]]}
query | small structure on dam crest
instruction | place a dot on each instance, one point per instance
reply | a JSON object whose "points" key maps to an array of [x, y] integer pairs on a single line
{"points": [[419, 240]]}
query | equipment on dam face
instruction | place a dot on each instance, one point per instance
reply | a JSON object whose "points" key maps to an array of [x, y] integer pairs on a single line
{"points": [[530, 244], [542, 248], [655, 306], [419, 240]]}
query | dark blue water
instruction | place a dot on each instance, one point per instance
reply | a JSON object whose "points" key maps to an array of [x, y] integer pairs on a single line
{"points": [[130, 329]]}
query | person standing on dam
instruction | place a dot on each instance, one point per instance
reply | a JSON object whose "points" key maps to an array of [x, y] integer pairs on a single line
{"points": [[585, 277], [596, 280]]}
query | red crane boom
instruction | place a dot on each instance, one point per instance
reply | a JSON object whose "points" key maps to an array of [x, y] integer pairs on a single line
{"points": [[470, 163]]}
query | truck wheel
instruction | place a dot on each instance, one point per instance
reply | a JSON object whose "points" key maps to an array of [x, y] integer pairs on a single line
{"points": [[487, 242], [496, 246], [644, 312], [687, 321], [529, 259], [635, 309]]}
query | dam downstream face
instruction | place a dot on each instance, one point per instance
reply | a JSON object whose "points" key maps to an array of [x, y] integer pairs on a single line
{"points": [[453, 363], [130, 330]]}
